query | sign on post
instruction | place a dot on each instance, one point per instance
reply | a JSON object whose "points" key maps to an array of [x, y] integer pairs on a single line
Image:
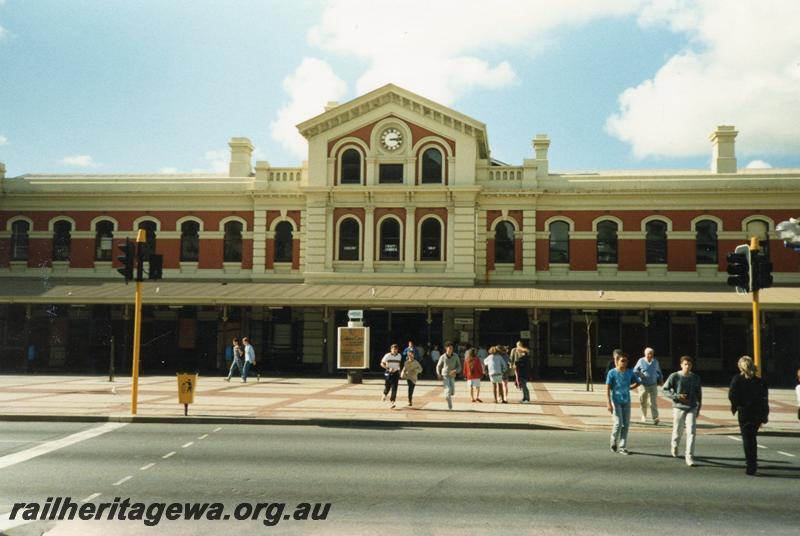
{"points": [[187, 385], [353, 348]]}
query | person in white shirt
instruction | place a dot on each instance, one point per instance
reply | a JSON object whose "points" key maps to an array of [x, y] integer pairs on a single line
{"points": [[391, 372], [249, 358], [648, 372]]}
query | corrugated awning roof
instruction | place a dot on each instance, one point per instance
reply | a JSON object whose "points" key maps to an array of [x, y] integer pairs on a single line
{"points": [[53, 291]]}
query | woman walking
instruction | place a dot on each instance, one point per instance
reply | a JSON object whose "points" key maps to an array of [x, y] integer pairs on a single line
{"points": [[521, 361], [496, 367], [749, 398], [238, 354], [473, 372], [411, 371]]}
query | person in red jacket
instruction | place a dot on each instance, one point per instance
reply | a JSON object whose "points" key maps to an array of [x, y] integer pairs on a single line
{"points": [[473, 372]]}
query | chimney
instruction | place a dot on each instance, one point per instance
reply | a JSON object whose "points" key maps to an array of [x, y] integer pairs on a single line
{"points": [[723, 156], [540, 145], [241, 155]]}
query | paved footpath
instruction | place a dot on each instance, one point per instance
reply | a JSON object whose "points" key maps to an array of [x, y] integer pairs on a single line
{"points": [[331, 401]]}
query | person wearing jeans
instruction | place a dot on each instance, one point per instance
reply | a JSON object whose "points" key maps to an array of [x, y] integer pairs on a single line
{"points": [[249, 358], [684, 389], [648, 371], [446, 370], [619, 382]]}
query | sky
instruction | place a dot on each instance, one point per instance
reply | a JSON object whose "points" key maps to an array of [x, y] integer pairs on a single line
{"points": [[160, 86]]}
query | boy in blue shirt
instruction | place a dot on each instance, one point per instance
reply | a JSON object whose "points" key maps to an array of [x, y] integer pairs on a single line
{"points": [[619, 382]]}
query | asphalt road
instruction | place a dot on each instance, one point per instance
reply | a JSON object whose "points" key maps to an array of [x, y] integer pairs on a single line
{"points": [[396, 480]]}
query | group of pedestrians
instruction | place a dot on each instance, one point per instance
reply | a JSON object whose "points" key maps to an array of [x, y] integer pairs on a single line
{"points": [[242, 359], [748, 396], [498, 364]]}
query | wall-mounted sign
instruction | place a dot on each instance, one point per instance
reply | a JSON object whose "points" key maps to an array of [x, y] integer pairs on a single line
{"points": [[353, 348], [355, 315], [525, 334]]}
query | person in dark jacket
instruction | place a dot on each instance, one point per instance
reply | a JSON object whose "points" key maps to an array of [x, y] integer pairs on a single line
{"points": [[750, 399]]}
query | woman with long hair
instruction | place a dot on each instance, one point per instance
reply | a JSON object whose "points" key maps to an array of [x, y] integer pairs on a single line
{"points": [[749, 398], [238, 354]]}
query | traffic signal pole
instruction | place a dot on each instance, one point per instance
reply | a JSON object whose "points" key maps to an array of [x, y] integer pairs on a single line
{"points": [[137, 322], [756, 317]]}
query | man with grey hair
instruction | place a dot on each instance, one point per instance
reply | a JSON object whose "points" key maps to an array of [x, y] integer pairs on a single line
{"points": [[648, 371]]}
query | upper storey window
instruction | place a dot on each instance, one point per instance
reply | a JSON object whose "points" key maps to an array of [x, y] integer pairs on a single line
{"points": [[19, 240], [432, 166], [559, 242], [390, 174], [431, 240], [190, 241], [504, 243], [349, 240], [62, 236], [607, 242], [283, 242], [390, 240], [656, 242], [351, 167], [706, 242], [233, 242], [149, 246], [103, 240]]}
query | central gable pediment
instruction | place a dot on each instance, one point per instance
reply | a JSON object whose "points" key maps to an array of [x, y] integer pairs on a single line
{"points": [[391, 94]]}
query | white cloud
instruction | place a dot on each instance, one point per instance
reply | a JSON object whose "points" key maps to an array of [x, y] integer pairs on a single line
{"points": [[3, 140], [80, 160], [432, 47], [741, 67], [758, 164], [311, 85], [217, 160]]}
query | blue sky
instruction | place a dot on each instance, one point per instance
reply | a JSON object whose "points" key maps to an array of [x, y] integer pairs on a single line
{"points": [[161, 86]]}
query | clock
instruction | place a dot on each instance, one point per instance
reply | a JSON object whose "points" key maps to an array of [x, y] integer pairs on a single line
{"points": [[391, 139]]}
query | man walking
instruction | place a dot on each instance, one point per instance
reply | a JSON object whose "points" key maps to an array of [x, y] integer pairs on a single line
{"points": [[684, 389], [648, 371], [249, 358], [446, 370], [619, 382]]}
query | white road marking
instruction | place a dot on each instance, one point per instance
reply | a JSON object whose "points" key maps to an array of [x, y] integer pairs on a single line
{"points": [[762, 447], [217, 429], [786, 454], [168, 454], [121, 480], [146, 467], [189, 444], [91, 497], [203, 436], [50, 446], [735, 438]]}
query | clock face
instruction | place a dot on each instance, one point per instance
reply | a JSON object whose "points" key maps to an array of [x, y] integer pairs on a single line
{"points": [[391, 139]]}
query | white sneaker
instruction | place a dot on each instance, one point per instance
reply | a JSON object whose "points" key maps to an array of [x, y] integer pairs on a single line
{"points": [[623, 450], [690, 461], [643, 419], [393, 405], [674, 452], [383, 398]]}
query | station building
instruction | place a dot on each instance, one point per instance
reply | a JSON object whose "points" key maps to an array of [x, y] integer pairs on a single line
{"points": [[401, 211]]}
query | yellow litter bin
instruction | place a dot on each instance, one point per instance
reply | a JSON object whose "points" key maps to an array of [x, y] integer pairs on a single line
{"points": [[187, 385]]}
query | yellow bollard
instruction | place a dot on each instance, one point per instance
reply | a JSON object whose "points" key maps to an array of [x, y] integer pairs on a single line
{"points": [[187, 385]]}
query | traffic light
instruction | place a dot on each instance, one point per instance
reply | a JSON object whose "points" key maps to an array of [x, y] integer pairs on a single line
{"points": [[156, 266], [127, 259], [762, 272], [739, 270]]}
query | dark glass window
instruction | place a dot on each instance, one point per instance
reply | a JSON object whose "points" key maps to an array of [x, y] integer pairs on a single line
{"points": [[103, 240], [351, 167], [432, 167], [149, 245], [504, 243], [561, 332], [607, 332], [19, 240], [606, 242], [706, 242], [62, 234], [709, 335], [190, 241], [430, 240], [559, 242], [283, 242], [656, 242], [390, 240], [233, 242], [348, 240], [390, 174]]}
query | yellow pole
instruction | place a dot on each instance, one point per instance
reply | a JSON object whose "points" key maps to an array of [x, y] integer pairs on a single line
{"points": [[756, 316], [137, 325]]}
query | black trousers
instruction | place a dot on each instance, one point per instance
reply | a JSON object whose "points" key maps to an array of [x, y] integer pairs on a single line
{"points": [[749, 430], [411, 386], [391, 382]]}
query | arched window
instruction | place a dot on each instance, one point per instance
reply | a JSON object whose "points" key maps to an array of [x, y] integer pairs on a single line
{"points": [[389, 240], [504, 243], [103, 240], [348, 240], [760, 230], [430, 240], [190, 241], [19, 240], [656, 242], [432, 166], [149, 245], [283, 242], [607, 242], [62, 234], [706, 242], [351, 167], [232, 247], [559, 242]]}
